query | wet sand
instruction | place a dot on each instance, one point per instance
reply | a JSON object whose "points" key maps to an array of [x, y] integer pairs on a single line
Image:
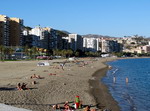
{"points": [[100, 92], [57, 85]]}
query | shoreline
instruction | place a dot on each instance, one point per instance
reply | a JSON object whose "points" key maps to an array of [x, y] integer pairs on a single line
{"points": [[101, 92]]}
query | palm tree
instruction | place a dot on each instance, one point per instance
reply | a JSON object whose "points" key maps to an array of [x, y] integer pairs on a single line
{"points": [[2, 48], [6, 53], [77, 54], [69, 52], [26, 50], [34, 51], [10, 51], [63, 53]]}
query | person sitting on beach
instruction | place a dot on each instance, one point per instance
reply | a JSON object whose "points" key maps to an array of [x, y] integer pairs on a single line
{"points": [[23, 86], [19, 86]]}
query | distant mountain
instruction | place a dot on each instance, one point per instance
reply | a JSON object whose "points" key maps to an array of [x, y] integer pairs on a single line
{"points": [[96, 36], [66, 32], [62, 33]]}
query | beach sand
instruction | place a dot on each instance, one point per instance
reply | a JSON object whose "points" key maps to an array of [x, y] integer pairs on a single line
{"points": [[57, 85]]}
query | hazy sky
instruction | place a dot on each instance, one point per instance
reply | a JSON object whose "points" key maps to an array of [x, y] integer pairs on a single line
{"points": [[105, 17]]}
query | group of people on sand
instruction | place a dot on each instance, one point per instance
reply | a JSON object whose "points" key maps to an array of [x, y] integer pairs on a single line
{"points": [[22, 86], [77, 105], [66, 107]]}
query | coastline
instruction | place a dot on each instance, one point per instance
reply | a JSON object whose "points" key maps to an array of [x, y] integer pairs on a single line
{"points": [[101, 93]]}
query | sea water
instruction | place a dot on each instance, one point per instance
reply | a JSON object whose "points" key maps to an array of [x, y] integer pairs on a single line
{"points": [[133, 95]]}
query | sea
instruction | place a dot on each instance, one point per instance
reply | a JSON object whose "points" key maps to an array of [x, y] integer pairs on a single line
{"points": [[129, 83]]}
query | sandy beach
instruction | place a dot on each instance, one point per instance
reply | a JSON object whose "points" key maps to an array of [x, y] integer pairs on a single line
{"points": [[57, 85]]}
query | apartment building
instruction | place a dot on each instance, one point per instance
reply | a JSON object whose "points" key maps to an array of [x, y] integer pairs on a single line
{"points": [[91, 44], [4, 30], [11, 31], [75, 42], [65, 43], [108, 46], [46, 37], [37, 36], [16, 31]]}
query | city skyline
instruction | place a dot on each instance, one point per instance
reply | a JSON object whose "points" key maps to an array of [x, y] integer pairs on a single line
{"points": [[104, 17]]}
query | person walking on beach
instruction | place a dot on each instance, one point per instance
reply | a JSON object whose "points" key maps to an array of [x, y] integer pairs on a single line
{"points": [[62, 66]]}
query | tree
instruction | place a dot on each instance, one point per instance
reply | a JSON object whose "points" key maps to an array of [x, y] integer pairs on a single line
{"points": [[69, 52], [2, 48], [26, 50], [77, 54], [9, 52], [34, 52]]}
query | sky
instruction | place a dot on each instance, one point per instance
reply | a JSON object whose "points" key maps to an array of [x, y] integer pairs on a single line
{"points": [[115, 18]]}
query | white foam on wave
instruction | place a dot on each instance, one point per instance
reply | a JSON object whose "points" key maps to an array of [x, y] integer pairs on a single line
{"points": [[4, 107]]}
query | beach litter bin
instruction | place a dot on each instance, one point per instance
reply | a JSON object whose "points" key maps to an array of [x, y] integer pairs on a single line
{"points": [[77, 102]]}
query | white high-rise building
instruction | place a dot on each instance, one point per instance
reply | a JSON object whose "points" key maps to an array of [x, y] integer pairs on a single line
{"points": [[38, 31], [91, 44], [75, 41]]}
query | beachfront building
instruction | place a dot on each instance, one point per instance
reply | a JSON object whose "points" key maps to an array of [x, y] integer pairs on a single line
{"points": [[4, 30], [91, 44], [16, 32], [38, 37], [75, 42], [139, 50], [65, 43], [46, 38], [11, 31], [53, 40], [108, 46], [27, 38]]}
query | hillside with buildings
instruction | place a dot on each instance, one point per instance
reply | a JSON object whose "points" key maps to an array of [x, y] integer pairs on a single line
{"points": [[13, 33]]}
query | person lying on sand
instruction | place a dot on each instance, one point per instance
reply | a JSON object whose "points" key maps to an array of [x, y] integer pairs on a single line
{"points": [[56, 107], [51, 74], [36, 76], [87, 108], [67, 107]]}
